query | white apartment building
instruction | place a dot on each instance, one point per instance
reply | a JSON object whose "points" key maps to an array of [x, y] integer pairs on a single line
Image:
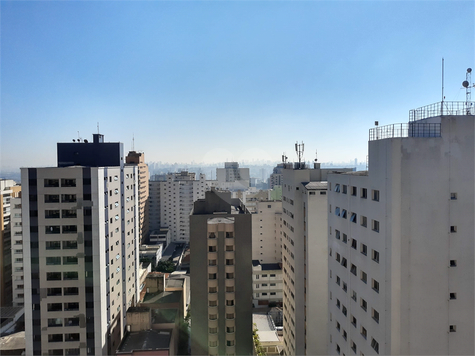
{"points": [[17, 253], [177, 195], [305, 261], [267, 284], [267, 231], [80, 250], [401, 240]]}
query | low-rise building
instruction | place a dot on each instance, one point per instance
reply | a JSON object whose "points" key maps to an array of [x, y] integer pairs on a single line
{"points": [[267, 284]]}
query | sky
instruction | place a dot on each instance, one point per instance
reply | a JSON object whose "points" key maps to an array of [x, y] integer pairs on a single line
{"points": [[210, 81]]}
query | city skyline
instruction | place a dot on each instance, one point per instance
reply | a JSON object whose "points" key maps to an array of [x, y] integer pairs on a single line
{"points": [[223, 81]]}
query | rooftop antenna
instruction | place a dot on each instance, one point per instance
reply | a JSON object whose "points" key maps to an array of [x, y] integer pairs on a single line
{"points": [[79, 137], [299, 148], [443, 97], [133, 142], [467, 85], [284, 158], [98, 132]]}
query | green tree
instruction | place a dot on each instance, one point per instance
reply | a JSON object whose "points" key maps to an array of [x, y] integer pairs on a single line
{"points": [[165, 267]]}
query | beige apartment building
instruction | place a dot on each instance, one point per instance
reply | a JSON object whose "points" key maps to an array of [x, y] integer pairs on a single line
{"points": [[221, 276], [401, 240], [80, 250], [267, 231]]}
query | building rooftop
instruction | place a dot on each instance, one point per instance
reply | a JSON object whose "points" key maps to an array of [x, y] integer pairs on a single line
{"points": [[267, 266], [145, 340], [316, 185], [164, 316], [265, 328], [12, 342], [163, 297]]}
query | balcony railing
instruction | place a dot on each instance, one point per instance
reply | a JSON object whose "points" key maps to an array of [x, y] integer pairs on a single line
{"points": [[442, 108], [405, 130]]}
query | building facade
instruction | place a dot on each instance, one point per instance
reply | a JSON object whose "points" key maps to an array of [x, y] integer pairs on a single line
{"points": [[231, 177], [138, 159], [267, 284], [221, 276], [18, 284], [305, 261], [267, 231], [401, 241], [80, 233]]}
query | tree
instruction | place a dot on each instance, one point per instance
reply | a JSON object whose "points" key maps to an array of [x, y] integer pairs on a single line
{"points": [[165, 267], [257, 343]]}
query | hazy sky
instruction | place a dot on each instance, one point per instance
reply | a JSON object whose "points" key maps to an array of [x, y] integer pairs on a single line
{"points": [[209, 81]]}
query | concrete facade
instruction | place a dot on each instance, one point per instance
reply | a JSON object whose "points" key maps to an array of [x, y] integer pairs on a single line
{"points": [[401, 243], [221, 276], [267, 232]]}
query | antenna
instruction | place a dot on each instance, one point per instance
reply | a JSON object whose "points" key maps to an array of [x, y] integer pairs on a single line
{"points": [[133, 142], [284, 158], [316, 156], [79, 137], [299, 148], [442, 102], [98, 132], [467, 85]]}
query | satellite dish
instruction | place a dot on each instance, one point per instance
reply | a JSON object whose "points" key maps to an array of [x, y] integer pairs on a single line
{"points": [[85, 141], [465, 83]]}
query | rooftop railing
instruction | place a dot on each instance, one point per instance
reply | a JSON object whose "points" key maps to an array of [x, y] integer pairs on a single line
{"points": [[405, 130], [442, 108]]}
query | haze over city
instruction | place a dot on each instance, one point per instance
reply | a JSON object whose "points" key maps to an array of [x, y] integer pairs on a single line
{"points": [[219, 81]]}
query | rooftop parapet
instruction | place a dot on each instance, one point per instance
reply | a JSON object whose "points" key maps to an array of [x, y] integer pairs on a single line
{"points": [[442, 108], [413, 129]]}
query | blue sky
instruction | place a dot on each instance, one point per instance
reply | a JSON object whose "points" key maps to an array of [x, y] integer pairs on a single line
{"points": [[207, 81]]}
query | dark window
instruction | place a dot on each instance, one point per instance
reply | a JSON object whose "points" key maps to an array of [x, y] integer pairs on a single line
{"points": [[68, 182], [51, 183], [70, 245], [53, 245], [51, 198], [70, 276], [51, 214], [69, 213], [53, 276]]}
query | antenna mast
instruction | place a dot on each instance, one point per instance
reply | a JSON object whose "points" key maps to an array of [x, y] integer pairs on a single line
{"points": [[299, 148], [442, 102], [133, 142], [467, 85], [98, 132]]}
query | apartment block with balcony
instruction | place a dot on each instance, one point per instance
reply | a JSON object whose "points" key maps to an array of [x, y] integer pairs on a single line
{"points": [[400, 240], [221, 276]]}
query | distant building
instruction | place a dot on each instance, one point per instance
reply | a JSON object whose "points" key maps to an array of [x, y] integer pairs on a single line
{"points": [[80, 233], [401, 240], [221, 282], [276, 177], [231, 177], [138, 159], [305, 259], [18, 283], [8, 190]]}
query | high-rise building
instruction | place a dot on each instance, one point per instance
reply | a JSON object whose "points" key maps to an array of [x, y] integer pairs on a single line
{"points": [[18, 284], [221, 276], [401, 240], [80, 233], [305, 261], [8, 191], [138, 159], [276, 176], [172, 201]]}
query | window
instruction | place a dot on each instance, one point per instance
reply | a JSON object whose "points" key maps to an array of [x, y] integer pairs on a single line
{"points": [[68, 182], [53, 261], [229, 342], [375, 345], [345, 238], [71, 337], [345, 335], [229, 275], [453, 328], [213, 317], [51, 183], [338, 327], [68, 213], [229, 248], [345, 286], [70, 276], [343, 213], [338, 257], [364, 193], [353, 191], [375, 225], [229, 289], [71, 321], [353, 218], [68, 198], [53, 276], [453, 263], [353, 269], [337, 211], [212, 249], [353, 346], [345, 189], [229, 262], [212, 276], [55, 337], [354, 243], [343, 262], [53, 291], [212, 235], [344, 311], [364, 333], [213, 330], [51, 214], [375, 285], [337, 188], [453, 228], [375, 255], [375, 315], [212, 290], [52, 229], [212, 303], [229, 302], [364, 221], [72, 306], [55, 306], [364, 249], [375, 195], [453, 296], [70, 245], [354, 296], [230, 329], [230, 316], [212, 262], [338, 304], [337, 234], [453, 196], [353, 321], [229, 235], [364, 304], [338, 280], [364, 277]]}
